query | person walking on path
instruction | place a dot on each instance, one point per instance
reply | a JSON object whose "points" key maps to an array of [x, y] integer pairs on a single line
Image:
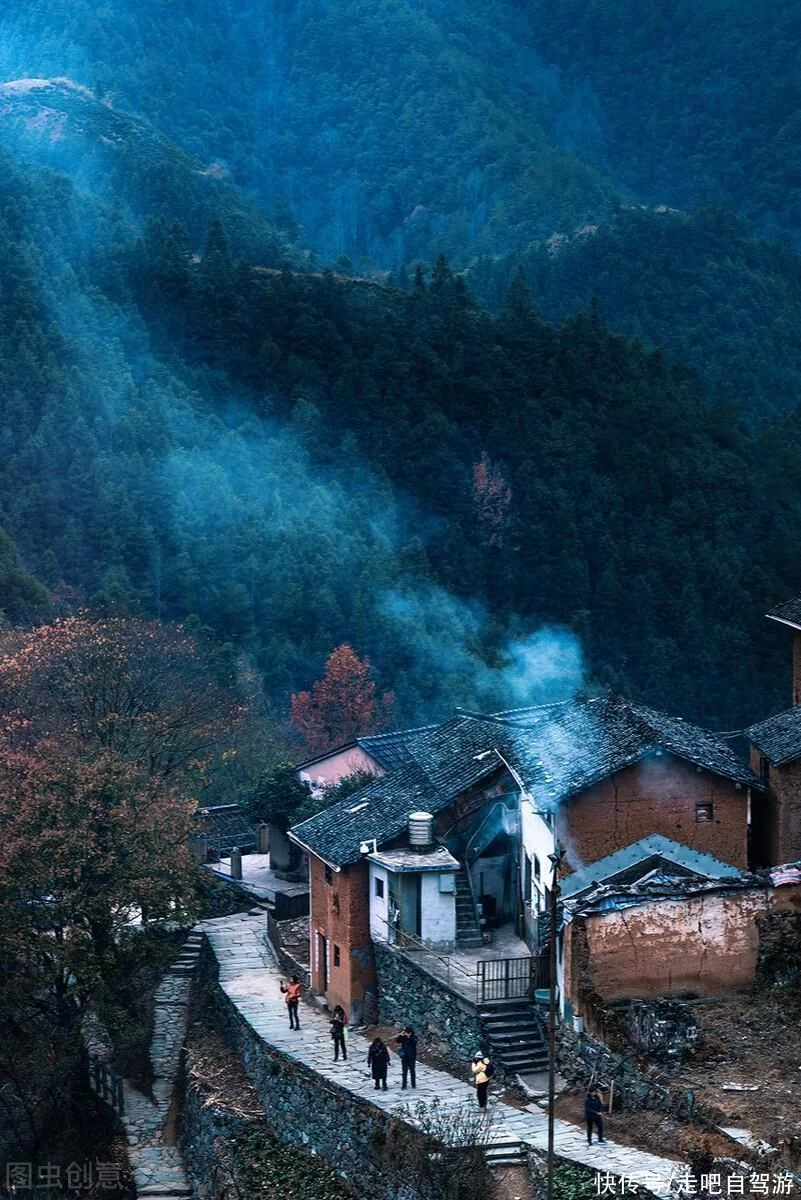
{"points": [[481, 1068], [407, 1053], [593, 1107], [338, 1023], [292, 991], [378, 1061]]}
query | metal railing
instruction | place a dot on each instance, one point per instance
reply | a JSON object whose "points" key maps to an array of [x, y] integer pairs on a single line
{"points": [[411, 944], [106, 1083], [511, 978]]}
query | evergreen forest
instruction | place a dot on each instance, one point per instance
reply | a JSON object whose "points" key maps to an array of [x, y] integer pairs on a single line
{"points": [[461, 335]]}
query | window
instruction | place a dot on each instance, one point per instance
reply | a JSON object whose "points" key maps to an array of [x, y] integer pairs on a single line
{"points": [[336, 956], [764, 769], [379, 888], [335, 902], [536, 867], [329, 875], [704, 813]]}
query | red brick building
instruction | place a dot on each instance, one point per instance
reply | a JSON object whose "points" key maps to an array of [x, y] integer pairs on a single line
{"points": [[597, 775], [776, 757]]}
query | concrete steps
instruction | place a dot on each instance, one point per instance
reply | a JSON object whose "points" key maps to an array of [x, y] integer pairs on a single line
{"points": [[468, 934], [506, 1152], [514, 1036]]}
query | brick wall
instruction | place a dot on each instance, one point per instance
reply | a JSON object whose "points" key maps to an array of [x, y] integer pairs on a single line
{"points": [[657, 795], [796, 667], [340, 911], [783, 807]]}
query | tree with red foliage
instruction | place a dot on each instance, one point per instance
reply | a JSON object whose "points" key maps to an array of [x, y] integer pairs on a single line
{"points": [[492, 498], [108, 730], [152, 693], [342, 705]]}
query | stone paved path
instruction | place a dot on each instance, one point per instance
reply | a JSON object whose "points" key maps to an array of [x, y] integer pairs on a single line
{"points": [[250, 978], [156, 1161]]}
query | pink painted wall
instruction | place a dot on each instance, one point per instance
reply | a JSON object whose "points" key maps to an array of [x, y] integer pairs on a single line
{"points": [[338, 765]]}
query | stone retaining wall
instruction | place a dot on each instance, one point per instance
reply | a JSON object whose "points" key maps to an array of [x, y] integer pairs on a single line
{"points": [[358, 1139], [443, 1020]]}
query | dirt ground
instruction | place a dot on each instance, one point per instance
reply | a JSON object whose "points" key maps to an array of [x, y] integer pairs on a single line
{"points": [[753, 1040]]}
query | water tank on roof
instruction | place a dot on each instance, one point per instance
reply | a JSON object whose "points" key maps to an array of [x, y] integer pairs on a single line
{"points": [[421, 829]]}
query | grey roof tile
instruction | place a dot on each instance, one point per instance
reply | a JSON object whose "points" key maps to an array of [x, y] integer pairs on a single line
{"points": [[558, 750], [788, 613], [778, 738]]}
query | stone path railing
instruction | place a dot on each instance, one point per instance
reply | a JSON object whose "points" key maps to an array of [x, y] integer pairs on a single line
{"points": [[249, 977], [151, 1125]]}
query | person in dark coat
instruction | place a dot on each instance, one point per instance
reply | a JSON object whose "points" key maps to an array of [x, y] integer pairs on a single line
{"points": [[593, 1107], [378, 1061], [338, 1023], [407, 1052]]}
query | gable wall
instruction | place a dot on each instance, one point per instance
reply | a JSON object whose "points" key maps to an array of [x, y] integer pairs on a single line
{"points": [[341, 912], [657, 795], [338, 766]]}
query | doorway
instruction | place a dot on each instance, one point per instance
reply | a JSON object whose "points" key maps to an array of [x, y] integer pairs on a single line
{"points": [[322, 959]]}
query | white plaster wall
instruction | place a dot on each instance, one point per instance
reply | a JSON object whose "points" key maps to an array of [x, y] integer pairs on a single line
{"points": [[537, 840], [437, 912], [379, 929]]}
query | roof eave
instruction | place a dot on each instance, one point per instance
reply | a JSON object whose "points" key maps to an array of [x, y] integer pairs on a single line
{"points": [[316, 853], [783, 621]]}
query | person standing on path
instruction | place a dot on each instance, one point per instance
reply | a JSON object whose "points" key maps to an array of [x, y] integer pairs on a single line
{"points": [[593, 1107], [378, 1061], [292, 991], [338, 1023], [482, 1073], [407, 1053]]}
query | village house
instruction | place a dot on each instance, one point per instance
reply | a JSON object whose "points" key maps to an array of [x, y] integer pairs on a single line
{"points": [[658, 920], [449, 846], [776, 756]]}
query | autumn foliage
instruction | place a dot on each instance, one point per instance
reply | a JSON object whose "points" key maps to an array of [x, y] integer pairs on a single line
{"points": [[492, 498], [341, 706], [108, 731]]}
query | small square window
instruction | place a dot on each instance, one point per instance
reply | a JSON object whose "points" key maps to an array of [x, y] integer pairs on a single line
{"points": [[335, 902], [336, 956], [704, 813], [379, 888], [329, 875]]}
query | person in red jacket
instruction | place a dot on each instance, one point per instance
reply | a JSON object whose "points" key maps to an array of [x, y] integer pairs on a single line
{"points": [[292, 992]]}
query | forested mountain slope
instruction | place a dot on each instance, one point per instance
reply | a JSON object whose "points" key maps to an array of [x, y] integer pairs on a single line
{"points": [[684, 101], [697, 284], [395, 129], [391, 131], [302, 462]]}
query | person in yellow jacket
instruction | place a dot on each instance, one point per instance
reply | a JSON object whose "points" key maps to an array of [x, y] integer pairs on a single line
{"points": [[482, 1070]]}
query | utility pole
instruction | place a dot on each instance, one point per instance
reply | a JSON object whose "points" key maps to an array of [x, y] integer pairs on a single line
{"points": [[556, 860]]}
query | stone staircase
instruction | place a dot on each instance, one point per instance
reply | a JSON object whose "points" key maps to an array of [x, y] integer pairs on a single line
{"points": [[188, 955], [504, 1150], [149, 1126], [468, 934], [514, 1036]]}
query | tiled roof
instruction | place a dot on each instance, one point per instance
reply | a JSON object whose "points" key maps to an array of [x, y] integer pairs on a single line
{"points": [[558, 750], [390, 750], [788, 613], [778, 738], [654, 847]]}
